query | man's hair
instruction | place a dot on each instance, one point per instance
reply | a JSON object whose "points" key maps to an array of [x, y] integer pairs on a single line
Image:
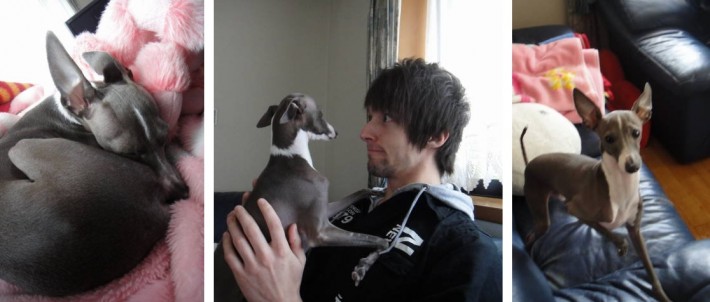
{"points": [[427, 101]]}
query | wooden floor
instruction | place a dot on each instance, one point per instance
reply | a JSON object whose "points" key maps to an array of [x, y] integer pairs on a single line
{"points": [[687, 186]]}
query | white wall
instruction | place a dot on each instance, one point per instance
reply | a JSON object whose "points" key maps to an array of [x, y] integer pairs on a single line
{"points": [[528, 13], [267, 49], [346, 156]]}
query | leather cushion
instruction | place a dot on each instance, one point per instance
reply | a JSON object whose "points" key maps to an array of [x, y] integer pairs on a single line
{"points": [[642, 15], [677, 59], [683, 275]]}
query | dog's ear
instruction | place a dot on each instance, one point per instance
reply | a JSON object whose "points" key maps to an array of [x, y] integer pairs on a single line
{"points": [[643, 107], [293, 110], [76, 91], [105, 65], [266, 118], [587, 110]]}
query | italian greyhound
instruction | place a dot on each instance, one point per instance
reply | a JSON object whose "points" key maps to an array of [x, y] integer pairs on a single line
{"points": [[296, 191], [603, 194], [72, 215]]}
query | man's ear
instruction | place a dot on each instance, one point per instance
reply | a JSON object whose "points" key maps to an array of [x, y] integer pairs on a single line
{"points": [[438, 140]]}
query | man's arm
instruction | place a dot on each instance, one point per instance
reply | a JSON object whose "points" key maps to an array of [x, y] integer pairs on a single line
{"points": [[264, 271]]}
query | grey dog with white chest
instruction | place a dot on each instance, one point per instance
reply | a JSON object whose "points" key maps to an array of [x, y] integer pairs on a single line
{"points": [[84, 180], [603, 194]]}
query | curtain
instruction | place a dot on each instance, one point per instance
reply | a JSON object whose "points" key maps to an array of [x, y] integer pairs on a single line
{"points": [[583, 18], [382, 30], [456, 40]]}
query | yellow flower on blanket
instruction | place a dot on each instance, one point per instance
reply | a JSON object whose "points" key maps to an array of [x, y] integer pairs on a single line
{"points": [[559, 78]]}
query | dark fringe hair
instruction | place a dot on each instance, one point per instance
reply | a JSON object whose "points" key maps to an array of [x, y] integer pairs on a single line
{"points": [[427, 101]]}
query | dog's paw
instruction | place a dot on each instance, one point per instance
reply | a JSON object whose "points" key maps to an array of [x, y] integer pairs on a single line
{"points": [[358, 274], [363, 266], [529, 240], [622, 247]]}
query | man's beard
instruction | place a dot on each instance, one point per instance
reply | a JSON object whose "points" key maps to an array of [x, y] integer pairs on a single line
{"points": [[380, 168]]}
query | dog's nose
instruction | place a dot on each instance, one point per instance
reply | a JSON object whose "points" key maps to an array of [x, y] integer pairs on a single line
{"points": [[632, 166], [169, 176], [176, 188]]}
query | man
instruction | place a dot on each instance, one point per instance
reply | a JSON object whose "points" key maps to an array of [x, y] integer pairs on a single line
{"points": [[415, 118]]}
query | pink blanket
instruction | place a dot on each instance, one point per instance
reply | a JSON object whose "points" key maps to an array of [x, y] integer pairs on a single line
{"points": [[548, 73], [162, 43]]}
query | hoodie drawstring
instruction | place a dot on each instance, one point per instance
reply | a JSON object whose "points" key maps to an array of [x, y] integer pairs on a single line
{"points": [[404, 222]]}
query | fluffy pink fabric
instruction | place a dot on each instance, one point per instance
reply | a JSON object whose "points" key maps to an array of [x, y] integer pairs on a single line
{"points": [[183, 27], [170, 104], [161, 66], [149, 15], [192, 134], [186, 234], [118, 29]]}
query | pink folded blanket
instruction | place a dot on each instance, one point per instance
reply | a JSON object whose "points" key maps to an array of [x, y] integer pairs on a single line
{"points": [[548, 73]]}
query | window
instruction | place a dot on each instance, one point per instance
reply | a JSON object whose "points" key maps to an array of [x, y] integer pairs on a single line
{"points": [[457, 37]]}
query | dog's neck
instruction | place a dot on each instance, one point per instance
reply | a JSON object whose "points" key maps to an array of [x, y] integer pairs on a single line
{"points": [[624, 184], [299, 147], [623, 191]]}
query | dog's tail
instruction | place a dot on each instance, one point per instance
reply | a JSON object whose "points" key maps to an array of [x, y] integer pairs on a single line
{"points": [[522, 145]]}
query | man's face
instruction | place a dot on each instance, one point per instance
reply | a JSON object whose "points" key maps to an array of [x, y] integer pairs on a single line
{"points": [[389, 152]]}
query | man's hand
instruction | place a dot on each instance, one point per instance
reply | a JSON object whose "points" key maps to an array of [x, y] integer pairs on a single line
{"points": [[264, 271]]}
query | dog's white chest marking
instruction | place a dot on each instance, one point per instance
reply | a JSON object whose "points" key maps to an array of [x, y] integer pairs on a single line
{"points": [[623, 193], [298, 148]]}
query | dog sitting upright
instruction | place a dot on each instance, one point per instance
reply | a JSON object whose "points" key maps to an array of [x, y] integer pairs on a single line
{"points": [[296, 191], [84, 180], [603, 194]]}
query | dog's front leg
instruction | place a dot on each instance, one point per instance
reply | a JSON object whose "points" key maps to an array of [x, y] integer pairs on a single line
{"points": [[640, 246], [619, 241], [331, 235]]}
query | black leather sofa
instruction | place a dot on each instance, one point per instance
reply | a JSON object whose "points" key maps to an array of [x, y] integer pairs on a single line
{"points": [[666, 43], [573, 262]]}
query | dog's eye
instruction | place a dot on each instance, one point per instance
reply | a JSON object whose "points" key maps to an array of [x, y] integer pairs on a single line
{"points": [[635, 133], [609, 139]]}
